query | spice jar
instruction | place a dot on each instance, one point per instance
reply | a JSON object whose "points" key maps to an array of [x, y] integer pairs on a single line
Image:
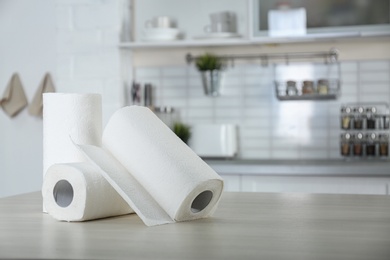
{"points": [[345, 144], [291, 89], [346, 117], [308, 87], [358, 118], [371, 144], [323, 86], [384, 145], [358, 145], [371, 117], [386, 122]]}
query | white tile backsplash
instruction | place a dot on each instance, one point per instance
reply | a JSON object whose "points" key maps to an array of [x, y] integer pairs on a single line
{"points": [[375, 76], [376, 88], [269, 128], [228, 102], [178, 71], [349, 67], [141, 73], [375, 65]]}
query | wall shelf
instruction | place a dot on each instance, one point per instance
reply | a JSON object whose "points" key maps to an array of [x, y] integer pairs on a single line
{"points": [[324, 37]]}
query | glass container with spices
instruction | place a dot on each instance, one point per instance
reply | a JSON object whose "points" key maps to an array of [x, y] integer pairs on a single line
{"points": [[384, 145], [346, 117], [345, 144], [291, 89], [323, 86], [308, 87], [386, 122], [358, 144], [371, 117], [371, 144], [358, 118]]}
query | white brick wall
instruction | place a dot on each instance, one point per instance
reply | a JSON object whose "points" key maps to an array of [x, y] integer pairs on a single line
{"points": [[88, 58]]}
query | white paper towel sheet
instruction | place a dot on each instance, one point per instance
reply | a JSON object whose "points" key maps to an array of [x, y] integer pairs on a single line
{"points": [[78, 192], [79, 115], [160, 177]]}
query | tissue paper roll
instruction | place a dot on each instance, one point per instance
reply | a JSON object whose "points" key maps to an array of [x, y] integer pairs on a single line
{"points": [[65, 115], [77, 192], [175, 177]]}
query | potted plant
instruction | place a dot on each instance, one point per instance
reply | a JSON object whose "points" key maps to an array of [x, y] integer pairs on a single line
{"points": [[210, 67], [183, 131]]}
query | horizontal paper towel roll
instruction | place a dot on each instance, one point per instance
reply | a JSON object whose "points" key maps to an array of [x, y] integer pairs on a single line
{"points": [[159, 164], [79, 115], [77, 192]]}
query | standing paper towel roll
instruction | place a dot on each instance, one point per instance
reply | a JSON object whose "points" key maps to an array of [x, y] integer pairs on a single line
{"points": [[160, 177], [77, 192], [79, 115]]}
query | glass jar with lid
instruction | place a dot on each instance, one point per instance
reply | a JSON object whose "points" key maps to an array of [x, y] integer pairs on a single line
{"points": [[291, 89], [371, 140], [371, 121], [358, 118], [346, 117], [323, 86], [358, 144], [384, 145], [345, 144], [308, 87]]}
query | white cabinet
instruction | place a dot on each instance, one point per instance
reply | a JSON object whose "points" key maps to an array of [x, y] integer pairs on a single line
{"points": [[307, 184]]}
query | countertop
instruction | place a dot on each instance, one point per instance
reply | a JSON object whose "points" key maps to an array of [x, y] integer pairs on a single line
{"points": [[245, 226], [361, 168]]}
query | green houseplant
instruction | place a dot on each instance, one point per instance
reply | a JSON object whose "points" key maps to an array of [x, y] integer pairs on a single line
{"points": [[210, 67], [183, 131]]}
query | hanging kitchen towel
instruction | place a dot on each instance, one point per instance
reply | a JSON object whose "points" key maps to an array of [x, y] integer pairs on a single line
{"points": [[157, 174], [65, 114], [14, 99], [46, 86], [78, 192]]}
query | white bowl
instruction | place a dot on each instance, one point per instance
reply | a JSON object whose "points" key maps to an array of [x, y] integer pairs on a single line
{"points": [[160, 34]]}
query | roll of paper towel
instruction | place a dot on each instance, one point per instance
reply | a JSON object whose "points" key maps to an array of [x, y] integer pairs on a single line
{"points": [[77, 192], [79, 115], [157, 174]]}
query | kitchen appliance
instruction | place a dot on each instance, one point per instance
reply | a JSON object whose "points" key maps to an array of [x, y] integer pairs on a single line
{"points": [[214, 140]]}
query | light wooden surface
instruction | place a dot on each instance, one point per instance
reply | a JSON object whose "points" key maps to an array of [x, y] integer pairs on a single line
{"points": [[245, 226]]}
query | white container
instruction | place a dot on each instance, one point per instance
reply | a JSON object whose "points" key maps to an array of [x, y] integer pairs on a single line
{"points": [[214, 141], [287, 22]]}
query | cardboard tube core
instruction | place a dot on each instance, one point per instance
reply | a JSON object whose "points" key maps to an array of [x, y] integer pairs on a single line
{"points": [[201, 201], [63, 193]]}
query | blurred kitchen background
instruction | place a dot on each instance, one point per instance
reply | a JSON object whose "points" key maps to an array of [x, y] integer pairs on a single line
{"points": [[106, 46]]}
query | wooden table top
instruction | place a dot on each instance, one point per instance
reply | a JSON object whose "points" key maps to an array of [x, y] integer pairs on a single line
{"points": [[245, 226]]}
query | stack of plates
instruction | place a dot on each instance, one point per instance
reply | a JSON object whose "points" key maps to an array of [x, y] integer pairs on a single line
{"points": [[161, 34]]}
